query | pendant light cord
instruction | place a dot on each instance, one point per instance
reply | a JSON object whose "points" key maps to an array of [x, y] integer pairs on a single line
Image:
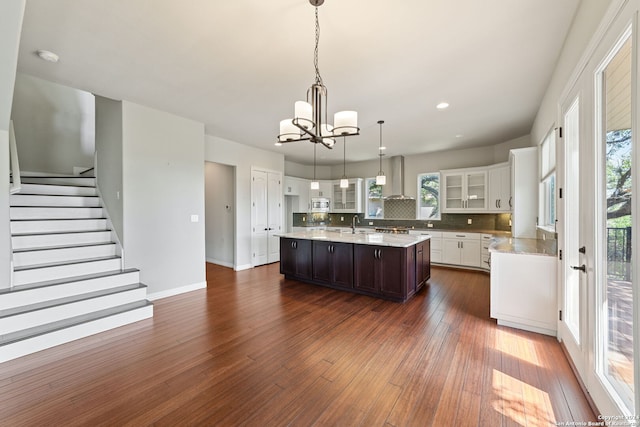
{"points": [[344, 157], [380, 149], [315, 52], [314, 160]]}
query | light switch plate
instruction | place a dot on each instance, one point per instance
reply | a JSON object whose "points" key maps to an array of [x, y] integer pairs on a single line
{"points": [[194, 218], [469, 221], [429, 225]]}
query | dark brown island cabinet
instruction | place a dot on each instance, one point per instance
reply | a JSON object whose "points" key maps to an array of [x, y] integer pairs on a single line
{"points": [[389, 272]]}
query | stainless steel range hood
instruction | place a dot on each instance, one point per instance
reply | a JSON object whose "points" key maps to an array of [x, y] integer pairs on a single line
{"points": [[397, 179]]}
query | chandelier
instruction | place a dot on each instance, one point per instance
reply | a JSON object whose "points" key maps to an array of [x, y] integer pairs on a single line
{"points": [[310, 117]]}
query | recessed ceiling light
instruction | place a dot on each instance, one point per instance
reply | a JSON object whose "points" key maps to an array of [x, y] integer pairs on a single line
{"points": [[442, 105], [459, 135], [277, 144], [48, 56], [383, 148]]}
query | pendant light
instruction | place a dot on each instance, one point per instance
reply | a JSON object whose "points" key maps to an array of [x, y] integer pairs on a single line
{"points": [[315, 185], [344, 182], [310, 121], [381, 179]]}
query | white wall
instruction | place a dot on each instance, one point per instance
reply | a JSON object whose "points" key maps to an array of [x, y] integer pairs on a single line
{"points": [[306, 171], [163, 185], [54, 125], [219, 213], [243, 157], [584, 25], [109, 159], [11, 14]]}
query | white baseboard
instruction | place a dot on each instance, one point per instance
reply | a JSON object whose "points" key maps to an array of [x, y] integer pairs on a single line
{"points": [[242, 267], [218, 262], [176, 291]]}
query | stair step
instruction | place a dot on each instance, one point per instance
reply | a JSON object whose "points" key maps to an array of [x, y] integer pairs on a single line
{"points": [[40, 256], [54, 212], [73, 180], [42, 240], [41, 273], [19, 227], [62, 190], [40, 292], [72, 329], [36, 200], [21, 321]]}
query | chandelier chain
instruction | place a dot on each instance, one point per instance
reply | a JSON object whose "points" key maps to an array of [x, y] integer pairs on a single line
{"points": [[315, 52]]}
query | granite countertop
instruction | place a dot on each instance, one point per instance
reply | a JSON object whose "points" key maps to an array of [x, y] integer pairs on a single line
{"points": [[524, 246], [377, 239]]}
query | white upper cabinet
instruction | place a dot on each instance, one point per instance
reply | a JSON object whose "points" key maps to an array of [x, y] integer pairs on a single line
{"points": [[326, 190], [499, 188], [464, 190], [347, 200]]}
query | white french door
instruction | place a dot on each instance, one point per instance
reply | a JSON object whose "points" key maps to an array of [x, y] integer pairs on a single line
{"points": [[615, 292], [598, 226], [572, 272], [266, 216]]}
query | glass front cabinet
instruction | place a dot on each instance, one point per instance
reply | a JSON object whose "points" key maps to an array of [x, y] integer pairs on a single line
{"points": [[465, 190]]}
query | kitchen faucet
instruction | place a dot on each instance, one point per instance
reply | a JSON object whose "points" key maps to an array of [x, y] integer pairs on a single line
{"points": [[353, 223]]}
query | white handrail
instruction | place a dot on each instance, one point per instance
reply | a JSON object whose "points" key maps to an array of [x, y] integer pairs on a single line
{"points": [[16, 182]]}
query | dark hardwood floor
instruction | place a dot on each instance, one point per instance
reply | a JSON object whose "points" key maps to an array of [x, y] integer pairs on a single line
{"points": [[258, 350]]}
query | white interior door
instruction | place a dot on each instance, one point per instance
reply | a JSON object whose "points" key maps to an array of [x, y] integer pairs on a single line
{"points": [[274, 214], [259, 217]]}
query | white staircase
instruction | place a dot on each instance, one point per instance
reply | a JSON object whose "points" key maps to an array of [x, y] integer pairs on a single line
{"points": [[68, 278]]}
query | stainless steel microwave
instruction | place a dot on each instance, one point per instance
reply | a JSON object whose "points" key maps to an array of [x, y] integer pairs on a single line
{"points": [[320, 204]]}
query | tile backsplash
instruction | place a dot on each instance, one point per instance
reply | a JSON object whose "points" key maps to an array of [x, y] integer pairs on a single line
{"points": [[499, 222]]}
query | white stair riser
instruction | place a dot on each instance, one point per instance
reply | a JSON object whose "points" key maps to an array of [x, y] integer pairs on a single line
{"points": [[63, 271], [47, 293], [44, 256], [58, 226], [54, 213], [45, 240], [87, 182], [19, 322], [66, 190], [40, 342], [46, 200]]}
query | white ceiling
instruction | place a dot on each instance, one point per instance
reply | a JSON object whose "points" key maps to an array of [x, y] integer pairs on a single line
{"points": [[238, 66]]}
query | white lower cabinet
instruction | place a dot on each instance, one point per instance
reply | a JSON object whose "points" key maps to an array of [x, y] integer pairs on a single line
{"points": [[461, 249], [484, 251], [435, 243], [524, 291]]}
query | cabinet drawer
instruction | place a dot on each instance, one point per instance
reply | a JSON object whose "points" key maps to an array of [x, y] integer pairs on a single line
{"points": [[458, 236], [436, 255]]}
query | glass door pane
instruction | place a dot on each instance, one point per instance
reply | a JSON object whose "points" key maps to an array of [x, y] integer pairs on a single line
{"points": [[615, 281]]}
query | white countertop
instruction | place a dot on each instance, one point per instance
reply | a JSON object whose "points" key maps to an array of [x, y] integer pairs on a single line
{"points": [[377, 239], [524, 246]]}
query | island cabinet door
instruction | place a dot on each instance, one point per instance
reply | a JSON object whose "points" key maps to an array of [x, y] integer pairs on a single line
{"points": [[322, 260], [423, 263], [295, 258], [392, 270], [333, 263], [366, 268], [342, 265]]}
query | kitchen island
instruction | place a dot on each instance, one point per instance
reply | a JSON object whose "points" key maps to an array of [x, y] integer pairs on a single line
{"points": [[389, 266]]}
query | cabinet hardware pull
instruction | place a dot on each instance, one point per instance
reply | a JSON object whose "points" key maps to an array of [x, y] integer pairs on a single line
{"points": [[510, 205], [582, 268]]}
